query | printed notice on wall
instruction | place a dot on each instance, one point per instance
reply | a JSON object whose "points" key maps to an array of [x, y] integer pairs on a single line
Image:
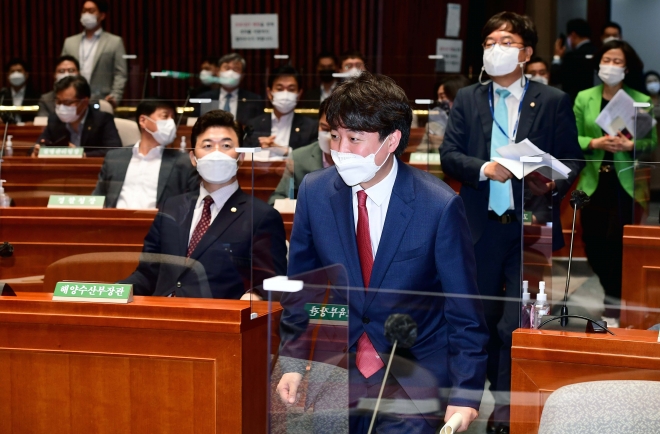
{"points": [[453, 26], [451, 51], [254, 31]]}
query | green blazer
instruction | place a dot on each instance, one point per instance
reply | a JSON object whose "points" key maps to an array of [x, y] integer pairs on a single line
{"points": [[587, 108], [304, 160]]}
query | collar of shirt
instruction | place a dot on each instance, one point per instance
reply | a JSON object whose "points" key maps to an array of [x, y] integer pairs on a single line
{"points": [[325, 94], [224, 93], [20, 93], [96, 34], [220, 196], [582, 43], [286, 119], [153, 153], [383, 190], [515, 88], [81, 125]]}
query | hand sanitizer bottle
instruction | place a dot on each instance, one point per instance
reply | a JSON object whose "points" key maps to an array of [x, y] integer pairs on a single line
{"points": [[541, 308], [527, 307], [182, 145], [5, 201], [9, 147]]}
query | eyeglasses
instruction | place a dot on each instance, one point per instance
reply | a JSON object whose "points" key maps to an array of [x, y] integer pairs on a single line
{"points": [[505, 45]]}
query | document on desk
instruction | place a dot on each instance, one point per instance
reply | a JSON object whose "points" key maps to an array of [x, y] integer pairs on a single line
{"points": [[619, 115], [549, 166]]}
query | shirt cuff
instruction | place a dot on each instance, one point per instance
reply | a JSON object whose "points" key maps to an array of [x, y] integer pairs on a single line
{"points": [[482, 171]]}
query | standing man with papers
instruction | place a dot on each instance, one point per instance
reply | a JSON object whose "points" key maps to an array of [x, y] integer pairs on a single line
{"points": [[603, 120], [486, 116]]}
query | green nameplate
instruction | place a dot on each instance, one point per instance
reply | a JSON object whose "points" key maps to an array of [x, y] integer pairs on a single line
{"points": [[424, 158], [527, 218], [79, 202], [327, 313], [60, 152], [94, 292]]}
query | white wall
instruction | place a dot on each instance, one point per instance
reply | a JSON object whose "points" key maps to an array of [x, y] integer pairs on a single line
{"points": [[640, 21], [569, 9]]}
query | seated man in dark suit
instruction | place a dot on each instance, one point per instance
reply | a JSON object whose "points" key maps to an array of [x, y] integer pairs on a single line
{"points": [[64, 67], [208, 76], [241, 103], [326, 65], [283, 129], [20, 91], [305, 160], [144, 175], [217, 241], [76, 124]]}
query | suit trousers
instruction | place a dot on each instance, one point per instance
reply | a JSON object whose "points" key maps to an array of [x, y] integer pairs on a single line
{"points": [[498, 258]]}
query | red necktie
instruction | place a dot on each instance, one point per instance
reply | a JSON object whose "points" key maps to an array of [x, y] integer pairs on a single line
{"points": [[367, 359], [201, 227]]}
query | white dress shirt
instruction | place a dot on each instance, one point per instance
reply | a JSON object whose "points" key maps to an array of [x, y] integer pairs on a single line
{"points": [[220, 198], [233, 102], [18, 97], [140, 188], [324, 94], [512, 104], [281, 128], [86, 54], [378, 200]]}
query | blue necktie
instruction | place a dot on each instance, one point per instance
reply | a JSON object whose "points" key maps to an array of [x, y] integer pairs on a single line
{"points": [[227, 107], [499, 199]]}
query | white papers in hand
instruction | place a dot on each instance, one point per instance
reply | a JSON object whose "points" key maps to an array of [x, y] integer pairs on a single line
{"points": [[619, 112], [549, 166], [452, 425]]}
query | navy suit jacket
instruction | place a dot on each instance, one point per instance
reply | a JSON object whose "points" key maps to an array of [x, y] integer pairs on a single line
{"points": [[176, 175], [547, 120], [250, 105], [425, 247], [220, 266]]}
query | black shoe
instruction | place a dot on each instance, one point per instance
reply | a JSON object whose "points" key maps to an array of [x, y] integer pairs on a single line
{"points": [[490, 426], [503, 429]]}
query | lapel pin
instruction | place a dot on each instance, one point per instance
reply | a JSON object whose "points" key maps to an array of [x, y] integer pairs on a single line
{"points": [[532, 104], [233, 209], [297, 130]]}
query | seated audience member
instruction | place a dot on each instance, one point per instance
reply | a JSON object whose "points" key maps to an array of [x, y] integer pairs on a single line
{"points": [[326, 65], [283, 129], [537, 70], [64, 67], [438, 116], [241, 103], [306, 160], [144, 175], [611, 31], [76, 124], [208, 76], [202, 243], [20, 91], [352, 63]]}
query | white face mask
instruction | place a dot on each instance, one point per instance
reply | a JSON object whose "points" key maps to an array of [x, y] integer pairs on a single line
{"points": [[166, 132], [355, 169], [538, 78], [285, 101], [611, 74], [89, 21], [230, 78], [653, 87], [324, 141], [610, 38], [67, 114], [500, 61], [17, 78], [206, 77], [217, 167], [58, 77]]}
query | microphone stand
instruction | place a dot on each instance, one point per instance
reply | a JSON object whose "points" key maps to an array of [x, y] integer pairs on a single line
{"points": [[578, 199]]}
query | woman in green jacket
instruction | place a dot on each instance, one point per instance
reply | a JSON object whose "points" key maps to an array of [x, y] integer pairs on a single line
{"points": [[608, 176]]}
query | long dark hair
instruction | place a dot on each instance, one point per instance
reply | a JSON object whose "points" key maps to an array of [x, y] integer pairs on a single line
{"points": [[634, 64]]}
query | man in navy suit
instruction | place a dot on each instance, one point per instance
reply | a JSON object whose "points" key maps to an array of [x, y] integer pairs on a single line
{"points": [[403, 239], [521, 109], [217, 241]]}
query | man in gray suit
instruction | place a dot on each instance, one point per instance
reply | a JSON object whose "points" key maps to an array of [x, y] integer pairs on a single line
{"points": [[100, 54], [309, 158], [145, 175]]}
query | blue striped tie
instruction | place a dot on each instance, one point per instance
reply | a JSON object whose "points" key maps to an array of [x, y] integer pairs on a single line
{"points": [[499, 199], [227, 106]]}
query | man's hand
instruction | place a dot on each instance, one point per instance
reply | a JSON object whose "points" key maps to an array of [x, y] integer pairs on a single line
{"points": [[469, 414], [35, 151], [71, 145], [537, 185], [560, 48], [288, 388], [251, 296], [111, 99], [267, 142], [497, 172]]}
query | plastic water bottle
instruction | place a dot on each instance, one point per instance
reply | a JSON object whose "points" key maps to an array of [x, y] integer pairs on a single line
{"points": [[541, 308], [182, 145], [5, 201], [527, 307]]}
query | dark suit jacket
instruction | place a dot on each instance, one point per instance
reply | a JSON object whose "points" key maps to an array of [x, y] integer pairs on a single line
{"points": [[547, 120], [250, 105], [426, 247], [31, 98], [177, 175], [220, 265], [98, 137], [304, 130], [576, 71], [304, 160], [311, 98]]}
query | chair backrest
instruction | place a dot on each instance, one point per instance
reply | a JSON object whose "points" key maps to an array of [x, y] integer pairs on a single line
{"points": [[105, 106], [129, 133], [107, 267], [595, 407]]}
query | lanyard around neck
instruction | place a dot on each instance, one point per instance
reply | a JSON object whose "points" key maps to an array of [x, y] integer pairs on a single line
{"points": [[492, 112]]}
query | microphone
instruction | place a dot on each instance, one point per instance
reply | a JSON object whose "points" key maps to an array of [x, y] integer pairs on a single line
{"points": [[578, 199], [401, 330]]}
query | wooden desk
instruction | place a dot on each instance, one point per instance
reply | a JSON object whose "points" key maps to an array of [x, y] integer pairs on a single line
{"points": [[175, 365], [543, 361], [641, 276]]}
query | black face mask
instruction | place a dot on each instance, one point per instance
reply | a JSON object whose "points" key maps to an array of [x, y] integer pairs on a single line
{"points": [[326, 75], [443, 105]]}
